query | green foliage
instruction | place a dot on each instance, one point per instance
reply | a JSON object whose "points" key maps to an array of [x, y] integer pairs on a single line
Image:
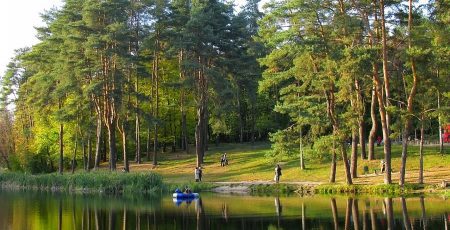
{"points": [[381, 189], [272, 189], [117, 183]]}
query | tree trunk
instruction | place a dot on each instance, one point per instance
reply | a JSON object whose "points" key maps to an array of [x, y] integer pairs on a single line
{"points": [[348, 175], [362, 140], [252, 112], [385, 118], [148, 142], [333, 165], [200, 135], [302, 163], [138, 125], [112, 146], [155, 145], [411, 96], [361, 112], [422, 133], [184, 131], [373, 130], [74, 159], [61, 148], [241, 118], [98, 143], [126, 165], [441, 140], [184, 140], [85, 161], [354, 156], [138, 140], [89, 149]]}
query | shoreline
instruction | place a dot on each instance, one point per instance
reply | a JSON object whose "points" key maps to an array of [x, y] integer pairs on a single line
{"points": [[148, 183]]}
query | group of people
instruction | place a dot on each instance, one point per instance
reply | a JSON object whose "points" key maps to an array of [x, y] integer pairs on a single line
{"points": [[198, 174], [224, 160]]}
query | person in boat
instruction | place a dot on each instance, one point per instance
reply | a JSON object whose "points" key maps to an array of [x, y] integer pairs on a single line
{"points": [[187, 190]]}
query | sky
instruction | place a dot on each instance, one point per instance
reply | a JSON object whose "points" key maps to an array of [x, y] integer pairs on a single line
{"points": [[17, 21]]}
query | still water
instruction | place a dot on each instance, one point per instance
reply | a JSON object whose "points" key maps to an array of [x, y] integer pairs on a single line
{"points": [[37, 210]]}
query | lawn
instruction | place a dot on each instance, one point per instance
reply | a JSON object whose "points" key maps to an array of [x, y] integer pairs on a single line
{"points": [[250, 163]]}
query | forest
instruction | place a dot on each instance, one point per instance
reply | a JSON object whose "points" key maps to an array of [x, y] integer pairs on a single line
{"points": [[114, 82]]}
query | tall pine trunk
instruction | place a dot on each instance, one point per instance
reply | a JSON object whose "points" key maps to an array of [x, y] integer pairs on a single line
{"points": [[138, 140], [354, 156], [98, 143], [384, 102], [184, 131], [126, 165], [373, 130], [302, 163], [74, 158], [61, 143], [333, 165], [89, 154], [112, 146], [422, 133], [61, 148], [412, 94]]}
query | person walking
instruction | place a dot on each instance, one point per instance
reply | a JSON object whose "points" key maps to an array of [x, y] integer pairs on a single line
{"points": [[197, 174], [277, 173], [200, 173]]}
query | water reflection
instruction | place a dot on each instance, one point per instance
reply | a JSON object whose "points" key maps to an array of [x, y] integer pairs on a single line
{"points": [[52, 211]]}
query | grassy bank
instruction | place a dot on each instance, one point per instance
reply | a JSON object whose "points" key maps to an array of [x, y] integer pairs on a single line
{"points": [[248, 165], [94, 182]]}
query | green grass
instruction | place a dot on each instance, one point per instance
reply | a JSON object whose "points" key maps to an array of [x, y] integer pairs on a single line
{"points": [[249, 163], [95, 182]]}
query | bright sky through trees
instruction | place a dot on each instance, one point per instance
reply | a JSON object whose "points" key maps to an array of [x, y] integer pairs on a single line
{"points": [[17, 21]]}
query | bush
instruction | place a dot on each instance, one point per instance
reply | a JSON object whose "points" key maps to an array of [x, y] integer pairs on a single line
{"points": [[381, 189], [86, 182]]}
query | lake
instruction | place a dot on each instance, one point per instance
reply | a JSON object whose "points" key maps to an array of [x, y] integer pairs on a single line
{"points": [[42, 210]]}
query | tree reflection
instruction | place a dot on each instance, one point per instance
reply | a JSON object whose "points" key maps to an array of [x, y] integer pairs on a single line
{"points": [[389, 213], [406, 222], [278, 210], [335, 213], [423, 217], [303, 216], [200, 214], [355, 214], [60, 214], [348, 211], [373, 217]]}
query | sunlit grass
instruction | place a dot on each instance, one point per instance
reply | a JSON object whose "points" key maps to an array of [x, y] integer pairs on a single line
{"points": [[250, 163]]}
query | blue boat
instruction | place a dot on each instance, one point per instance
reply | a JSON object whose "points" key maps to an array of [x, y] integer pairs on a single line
{"points": [[180, 195]]}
